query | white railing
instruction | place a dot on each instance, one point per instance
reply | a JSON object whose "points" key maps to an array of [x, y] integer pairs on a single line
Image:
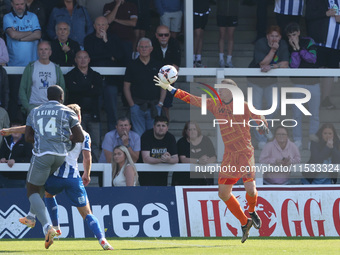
{"points": [[106, 170], [217, 72]]}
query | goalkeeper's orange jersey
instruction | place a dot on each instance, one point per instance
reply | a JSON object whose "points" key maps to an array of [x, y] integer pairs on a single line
{"points": [[238, 150]]}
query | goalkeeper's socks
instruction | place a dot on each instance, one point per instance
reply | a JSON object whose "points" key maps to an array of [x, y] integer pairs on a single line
{"points": [[251, 202], [235, 208]]}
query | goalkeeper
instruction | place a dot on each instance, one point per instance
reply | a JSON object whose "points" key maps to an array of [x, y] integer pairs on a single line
{"points": [[238, 151]]}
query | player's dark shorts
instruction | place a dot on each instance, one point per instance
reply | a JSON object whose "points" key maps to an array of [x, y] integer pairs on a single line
{"points": [[41, 167], [227, 21], [74, 189], [200, 21]]}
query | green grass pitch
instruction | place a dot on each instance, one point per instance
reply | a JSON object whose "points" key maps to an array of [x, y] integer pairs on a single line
{"points": [[194, 246]]}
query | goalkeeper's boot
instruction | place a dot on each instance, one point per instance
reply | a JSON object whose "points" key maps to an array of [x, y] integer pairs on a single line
{"points": [[245, 230], [105, 244], [257, 223], [28, 221], [51, 233]]}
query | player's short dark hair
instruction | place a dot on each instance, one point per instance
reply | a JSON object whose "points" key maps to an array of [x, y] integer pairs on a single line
{"points": [[161, 119], [55, 92], [292, 27], [75, 108]]}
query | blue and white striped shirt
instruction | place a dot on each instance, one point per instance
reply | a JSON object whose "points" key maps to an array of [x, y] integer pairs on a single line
{"points": [[69, 169], [289, 7]]}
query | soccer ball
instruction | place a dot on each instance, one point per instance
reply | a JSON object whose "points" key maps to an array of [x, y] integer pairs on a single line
{"points": [[168, 74]]}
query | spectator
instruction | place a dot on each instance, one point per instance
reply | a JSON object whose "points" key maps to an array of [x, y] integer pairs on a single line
{"points": [[325, 149], [170, 13], [48, 6], [166, 50], [73, 14], [84, 88], [64, 49], [279, 152], [322, 20], [4, 88], [304, 55], [227, 20], [201, 15], [37, 7], [193, 148], [261, 19], [122, 17], [22, 33], [143, 23], [158, 146], [288, 11], [270, 53], [4, 122], [37, 78], [3, 53], [145, 99], [124, 171], [122, 135], [106, 50], [13, 150]]}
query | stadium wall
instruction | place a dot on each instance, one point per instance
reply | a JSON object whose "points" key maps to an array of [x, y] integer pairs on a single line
{"points": [[184, 211]]}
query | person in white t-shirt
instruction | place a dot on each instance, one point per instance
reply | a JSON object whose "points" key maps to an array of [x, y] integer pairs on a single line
{"points": [[37, 77], [124, 171]]}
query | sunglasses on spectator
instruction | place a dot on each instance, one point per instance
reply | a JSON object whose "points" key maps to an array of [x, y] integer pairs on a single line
{"points": [[165, 35]]}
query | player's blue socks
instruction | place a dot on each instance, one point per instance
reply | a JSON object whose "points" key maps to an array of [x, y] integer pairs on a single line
{"points": [[93, 224], [52, 207]]}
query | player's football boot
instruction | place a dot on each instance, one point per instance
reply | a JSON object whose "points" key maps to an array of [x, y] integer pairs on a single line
{"points": [[257, 223], [28, 221], [51, 233], [245, 230], [57, 229], [104, 243]]}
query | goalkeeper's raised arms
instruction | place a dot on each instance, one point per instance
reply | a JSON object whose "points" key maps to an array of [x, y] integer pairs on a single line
{"points": [[159, 83]]}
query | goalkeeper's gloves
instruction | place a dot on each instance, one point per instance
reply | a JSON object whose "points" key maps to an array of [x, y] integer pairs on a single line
{"points": [[263, 130], [158, 82]]}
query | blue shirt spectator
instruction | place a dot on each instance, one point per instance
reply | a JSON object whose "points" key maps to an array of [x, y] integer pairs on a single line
{"points": [[80, 22], [22, 46]]}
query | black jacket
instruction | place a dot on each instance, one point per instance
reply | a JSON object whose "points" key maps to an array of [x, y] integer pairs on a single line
{"points": [[316, 20], [58, 55], [21, 151], [85, 91], [172, 54]]}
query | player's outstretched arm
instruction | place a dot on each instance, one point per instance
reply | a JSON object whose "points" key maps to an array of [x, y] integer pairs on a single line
{"points": [[178, 93], [13, 130]]}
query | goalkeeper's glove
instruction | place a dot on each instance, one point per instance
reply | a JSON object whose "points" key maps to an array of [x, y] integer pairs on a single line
{"points": [[158, 82], [263, 130]]}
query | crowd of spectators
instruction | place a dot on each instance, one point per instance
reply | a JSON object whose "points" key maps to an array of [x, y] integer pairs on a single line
{"points": [[44, 35]]}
